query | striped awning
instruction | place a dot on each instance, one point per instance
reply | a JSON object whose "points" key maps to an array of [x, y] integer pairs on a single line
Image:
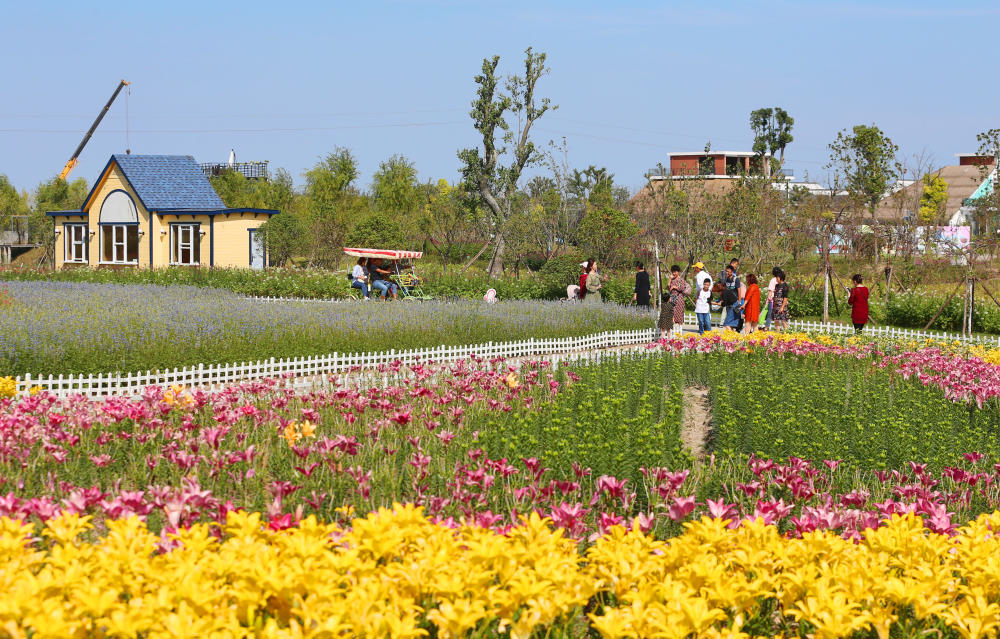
{"points": [[386, 253]]}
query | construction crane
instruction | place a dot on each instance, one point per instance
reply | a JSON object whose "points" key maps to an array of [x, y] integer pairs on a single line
{"points": [[73, 161]]}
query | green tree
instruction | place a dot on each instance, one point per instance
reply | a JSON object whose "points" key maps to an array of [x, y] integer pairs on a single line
{"points": [[332, 206], [772, 129], [866, 157], [483, 173], [378, 230], [706, 165], [605, 231], [445, 219], [933, 198], [55, 195], [11, 202], [394, 187]]}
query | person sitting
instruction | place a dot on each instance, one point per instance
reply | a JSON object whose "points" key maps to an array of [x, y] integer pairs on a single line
{"points": [[380, 278], [359, 277], [408, 267]]}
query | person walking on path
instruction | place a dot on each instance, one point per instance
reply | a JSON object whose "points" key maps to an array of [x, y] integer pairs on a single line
{"points": [[858, 301], [703, 307], [780, 305], [700, 274], [641, 293], [751, 304], [593, 284], [770, 298], [672, 309], [583, 278]]}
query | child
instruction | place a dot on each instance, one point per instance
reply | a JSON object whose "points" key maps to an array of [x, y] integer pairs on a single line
{"points": [[702, 308]]}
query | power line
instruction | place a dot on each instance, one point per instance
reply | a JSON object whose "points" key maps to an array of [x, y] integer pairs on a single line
{"points": [[248, 130], [234, 115]]}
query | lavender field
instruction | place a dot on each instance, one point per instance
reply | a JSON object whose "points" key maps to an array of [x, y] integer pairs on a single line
{"points": [[63, 327]]}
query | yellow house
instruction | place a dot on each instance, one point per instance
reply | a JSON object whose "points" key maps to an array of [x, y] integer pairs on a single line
{"points": [[157, 210]]}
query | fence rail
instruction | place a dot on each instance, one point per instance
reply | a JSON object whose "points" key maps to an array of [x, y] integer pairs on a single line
{"points": [[306, 370], [214, 375]]}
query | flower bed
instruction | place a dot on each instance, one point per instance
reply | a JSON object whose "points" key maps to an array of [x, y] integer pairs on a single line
{"points": [[865, 534], [57, 327], [394, 573]]}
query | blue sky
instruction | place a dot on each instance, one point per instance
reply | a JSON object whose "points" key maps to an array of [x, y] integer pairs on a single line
{"points": [[289, 82]]}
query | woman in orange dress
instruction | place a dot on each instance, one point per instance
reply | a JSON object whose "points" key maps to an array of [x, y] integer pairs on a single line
{"points": [[751, 304]]}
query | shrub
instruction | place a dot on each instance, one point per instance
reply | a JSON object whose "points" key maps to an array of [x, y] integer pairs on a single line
{"points": [[559, 272]]}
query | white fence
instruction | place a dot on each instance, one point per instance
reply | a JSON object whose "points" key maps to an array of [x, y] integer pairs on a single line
{"points": [[308, 370], [874, 331], [214, 375]]}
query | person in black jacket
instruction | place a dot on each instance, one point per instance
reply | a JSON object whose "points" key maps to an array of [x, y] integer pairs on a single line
{"points": [[641, 294]]}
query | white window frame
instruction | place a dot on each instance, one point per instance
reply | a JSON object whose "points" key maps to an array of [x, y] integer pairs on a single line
{"points": [[119, 244], [71, 243], [193, 243]]}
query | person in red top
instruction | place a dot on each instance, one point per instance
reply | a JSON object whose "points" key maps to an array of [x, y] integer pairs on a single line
{"points": [[858, 301], [751, 303], [583, 278]]}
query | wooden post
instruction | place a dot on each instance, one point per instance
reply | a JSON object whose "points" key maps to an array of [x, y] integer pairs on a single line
{"points": [[826, 294], [656, 251], [888, 283]]}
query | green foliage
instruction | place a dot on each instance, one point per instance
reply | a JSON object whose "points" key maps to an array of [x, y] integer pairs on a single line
{"points": [[55, 195], [629, 408], [838, 408], [605, 233], [394, 187], [867, 159], [561, 271], [11, 202], [482, 173], [933, 198], [378, 230], [772, 130], [283, 236], [333, 205]]}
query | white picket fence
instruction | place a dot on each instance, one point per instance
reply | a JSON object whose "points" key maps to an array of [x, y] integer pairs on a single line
{"points": [[321, 366], [873, 331], [307, 370]]}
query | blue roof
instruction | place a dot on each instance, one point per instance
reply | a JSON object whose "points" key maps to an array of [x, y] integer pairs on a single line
{"points": [[174, 182]]}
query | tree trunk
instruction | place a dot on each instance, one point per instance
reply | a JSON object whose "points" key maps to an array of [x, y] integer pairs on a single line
{"points": [[496, 261]]}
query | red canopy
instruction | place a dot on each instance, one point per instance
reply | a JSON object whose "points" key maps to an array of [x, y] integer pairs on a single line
{"points": [[386, 253]]}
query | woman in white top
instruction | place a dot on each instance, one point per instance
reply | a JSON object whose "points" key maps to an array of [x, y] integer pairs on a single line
{"points": [[359, 277], [770, 296]]}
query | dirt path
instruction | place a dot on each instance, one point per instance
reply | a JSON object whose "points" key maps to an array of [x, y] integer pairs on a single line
{"points": [[696, 420]]}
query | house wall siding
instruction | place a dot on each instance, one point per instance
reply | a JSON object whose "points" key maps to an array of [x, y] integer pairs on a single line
{"points": [[232, 238], [161, 247]]}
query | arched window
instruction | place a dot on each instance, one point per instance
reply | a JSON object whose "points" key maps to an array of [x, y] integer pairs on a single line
{"points": [[119, 224]]}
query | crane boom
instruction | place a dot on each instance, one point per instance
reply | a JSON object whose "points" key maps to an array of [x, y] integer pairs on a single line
{"points": [[73, 161]]}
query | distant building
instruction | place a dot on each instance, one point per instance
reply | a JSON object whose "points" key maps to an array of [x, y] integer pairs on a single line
{"points": [[157, 210], [710, 164]]}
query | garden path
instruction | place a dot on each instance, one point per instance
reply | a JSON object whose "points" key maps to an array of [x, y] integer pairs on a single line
{"points": [[696, 420]]}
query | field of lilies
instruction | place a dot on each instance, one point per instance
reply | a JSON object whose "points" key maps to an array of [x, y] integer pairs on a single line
{"points": [[846, 488]]}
